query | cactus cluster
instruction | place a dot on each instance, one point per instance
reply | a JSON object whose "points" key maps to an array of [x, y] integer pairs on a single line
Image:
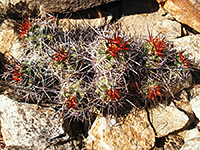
{"points": [[88, 69]]}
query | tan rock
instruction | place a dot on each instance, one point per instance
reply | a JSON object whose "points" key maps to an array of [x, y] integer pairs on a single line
{"points": [[192, 140], [167, 119], [196, 3], [134, 132], [153, 22], [184, 11], [195, 90], [9, 40], [183, 102], [161, 1], [195, 102], [173, 142], [67, 24]]}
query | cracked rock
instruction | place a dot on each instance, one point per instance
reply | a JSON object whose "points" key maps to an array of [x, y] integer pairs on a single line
{"points": [[184, 11], [167, 119], [28, 126], [133, 132]]}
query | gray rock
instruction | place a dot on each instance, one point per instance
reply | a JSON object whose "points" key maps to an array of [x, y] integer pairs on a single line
{"points": [[48, 6], [28, 126]]}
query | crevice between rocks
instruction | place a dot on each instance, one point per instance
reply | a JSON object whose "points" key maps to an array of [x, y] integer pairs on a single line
{"points": [[148, 117], [3, 62], [75, 131], [2, 143], [191, 124]]}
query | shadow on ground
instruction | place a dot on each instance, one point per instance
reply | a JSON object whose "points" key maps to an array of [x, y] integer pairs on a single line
{"points": [[115, 9]]}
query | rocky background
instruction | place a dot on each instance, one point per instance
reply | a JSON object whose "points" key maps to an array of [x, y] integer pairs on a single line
{"points": [[174, 125]]}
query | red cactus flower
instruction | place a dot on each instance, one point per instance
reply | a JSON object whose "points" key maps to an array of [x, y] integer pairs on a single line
{"points": [[158, 45], [17, 75], [70, 102], [112, 94], [24, 29], [154, 92], [60, 55], [115, 45], [184, 60]]}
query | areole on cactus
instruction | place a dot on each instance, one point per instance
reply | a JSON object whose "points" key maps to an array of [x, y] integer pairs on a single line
{"points": [[115, 45], [154, 93], [112, 94], [71, 102], [157, 45], [16, 74], [24, 28], [183, 59]]}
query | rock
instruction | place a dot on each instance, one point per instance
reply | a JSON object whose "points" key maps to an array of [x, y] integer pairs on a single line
{"points": [[189, 44], [2, 143], [10, 44], [195, 90], [196, 4], [136, 23], [97, 22], [182, 102], [174, 142], [9, 41], [192, 140], [152, 23], [195, 102], [28, 126], [184, 11], [167, 119], [132, 132], [185, 82], [143, 23], [48, 6]]}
